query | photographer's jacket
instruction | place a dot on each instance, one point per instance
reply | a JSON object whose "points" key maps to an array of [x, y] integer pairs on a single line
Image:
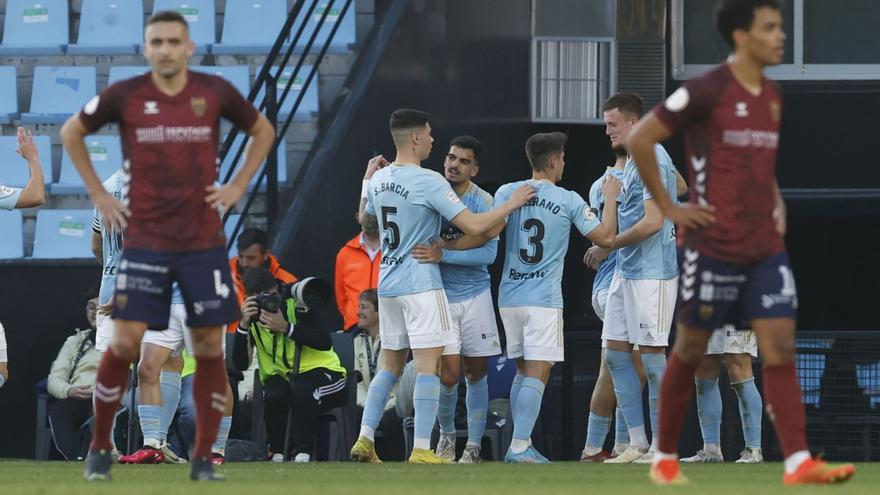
{"points": [[276, 352]]}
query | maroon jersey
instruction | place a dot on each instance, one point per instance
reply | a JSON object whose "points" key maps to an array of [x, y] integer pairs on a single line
{"points": [[170, 144], [731, 138]]}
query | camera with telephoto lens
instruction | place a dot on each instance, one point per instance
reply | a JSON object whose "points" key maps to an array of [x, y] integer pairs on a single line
{"points": [[270, 301], [309, 293]]}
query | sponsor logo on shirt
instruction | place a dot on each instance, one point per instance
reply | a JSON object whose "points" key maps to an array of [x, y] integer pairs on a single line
{"points": [[751, 138], [176, 134]]}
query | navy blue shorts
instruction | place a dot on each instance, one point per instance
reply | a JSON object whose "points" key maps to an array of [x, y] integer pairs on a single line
{"points": [[143, 287], [713, 293]]}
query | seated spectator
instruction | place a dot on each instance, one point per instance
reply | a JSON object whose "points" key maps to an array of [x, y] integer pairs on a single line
{"points": [[253, 251], [71, 381], [367, 350], [298, 369], [357, 269]]}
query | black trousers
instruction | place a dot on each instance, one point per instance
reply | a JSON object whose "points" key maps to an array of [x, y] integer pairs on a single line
{"points": [[309, 395], [65, 418]]}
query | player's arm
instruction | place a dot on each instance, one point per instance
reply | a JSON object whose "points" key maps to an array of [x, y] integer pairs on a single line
{"points": [[476, 256], [493, 221], [34, 193], [603, 235], [649, 225], [779, 211], [98, 247], [365, 218]]}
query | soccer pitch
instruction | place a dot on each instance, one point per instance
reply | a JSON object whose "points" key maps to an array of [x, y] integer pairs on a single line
{"points": [[47, 478]]}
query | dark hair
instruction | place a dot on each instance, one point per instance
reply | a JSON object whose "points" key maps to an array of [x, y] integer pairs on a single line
{"points": [[468, 143], [406, 118], [251, 236], [625, 102], [257, 280], [167, 16], [371, 296], [540, 147], [731, 15], [90, 294]]}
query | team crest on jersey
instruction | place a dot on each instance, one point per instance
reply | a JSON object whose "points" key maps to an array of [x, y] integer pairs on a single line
{"points": [[706, 311], [120, 301], [6, 191], [452, 197], [775, 112], [588, 213], [199, 105]]}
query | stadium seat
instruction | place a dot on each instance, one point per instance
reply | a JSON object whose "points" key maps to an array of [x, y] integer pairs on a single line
{"points": [[308, 107], [282, 163], [868, 377], [120, 72], [35, 27], [13, 169], [62, 234], [11, 242], [810, 368], [345, 34], [8, 95], [251, 27], [199, 14], [58, 93], [106, 155], [109, 27], [238, 75]]}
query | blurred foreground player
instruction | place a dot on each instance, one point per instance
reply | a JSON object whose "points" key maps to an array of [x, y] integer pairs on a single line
{"points": [[169, 123], [734, 266]]}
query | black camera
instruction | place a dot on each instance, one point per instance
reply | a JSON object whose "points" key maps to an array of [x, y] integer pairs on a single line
{"points": [[309, 293], [270, 301]]}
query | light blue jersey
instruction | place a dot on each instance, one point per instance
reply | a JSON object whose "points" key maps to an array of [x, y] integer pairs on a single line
{"points": [[117, 186], [9, 197], [466, 273], [597, 201], [536, 242], [655, 257], [409, 202]]}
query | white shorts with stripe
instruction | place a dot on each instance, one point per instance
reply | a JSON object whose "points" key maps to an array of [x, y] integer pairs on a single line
{"points": [[476, 330], [729, 340], [416, 321], [534, 333], [640, 311]]}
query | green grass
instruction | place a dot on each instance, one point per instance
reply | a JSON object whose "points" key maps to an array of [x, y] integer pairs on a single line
{"points": [[44, 478]]}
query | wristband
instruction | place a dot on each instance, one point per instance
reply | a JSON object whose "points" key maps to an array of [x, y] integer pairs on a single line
{"points": [[243, 331], [364, 187]]}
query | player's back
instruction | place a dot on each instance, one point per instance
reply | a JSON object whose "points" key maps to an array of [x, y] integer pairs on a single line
{"points": [[111, 239], [409, 202], [605, 272], [536, 239], [465, 281]]}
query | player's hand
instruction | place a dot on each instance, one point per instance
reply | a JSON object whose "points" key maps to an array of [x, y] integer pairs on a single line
{"points": [[375, 163], [105, 309], [273, 321], [595, 256], [521, 196], [779, 213], [249, 309], [26, 147], [611, 188], [112, 210], [427, 253], [690, 215], [82, 392], [224, 197]]}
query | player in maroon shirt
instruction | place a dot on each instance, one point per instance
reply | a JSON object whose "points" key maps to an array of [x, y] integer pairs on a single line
{"points": [[734, 265], [169, 123]]}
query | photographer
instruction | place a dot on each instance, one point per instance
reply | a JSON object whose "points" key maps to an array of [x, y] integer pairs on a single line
{"points": [[297, 366]]}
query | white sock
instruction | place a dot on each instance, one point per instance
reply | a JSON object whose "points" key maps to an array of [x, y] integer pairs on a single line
{"points": [[619, 447], [422, 443], [153, 443], [715, 448], [369, 432], [473, 445], [795, 460], [591, 450], [517, 446], [638, 438]]}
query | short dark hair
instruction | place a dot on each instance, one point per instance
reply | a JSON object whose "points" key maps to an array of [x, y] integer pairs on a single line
{"points": [[251, 236], [625, 102], [540, 147], [371, 296], [406, 118], [257, 280], [468, 143], [90, 294], [731, 15], [167, 16]]}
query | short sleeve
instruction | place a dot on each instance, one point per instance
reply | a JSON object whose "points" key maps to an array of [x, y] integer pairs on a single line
{"points": [[104, 108], [235, 108], [440, 197], [370, 208], [692, 102], [9, 197], [580, 214]]}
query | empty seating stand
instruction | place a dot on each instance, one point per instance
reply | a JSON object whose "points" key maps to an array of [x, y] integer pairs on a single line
{"points": [[236, 144], [120, 72], [238, 75], [106, 155], [8, 95], [12, 241], [63, 234], [199, 14], [35, 27], [59, 92], [250, 27], [308, 107], [345, 33], [109, 27], [13, 169]]}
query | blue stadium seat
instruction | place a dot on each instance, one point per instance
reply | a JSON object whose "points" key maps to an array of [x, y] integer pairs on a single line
{"points": [[238, 75], [810, 368], [120, 72], [63, 234], [282, 163], [229, 227], [12, 241], [109, 27], [345, 34], [199, 14], [106, 155], [35, 27], [14, 170], [58, 93], [251, 27], [868, 377], [308, 107], [8, 95]]}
